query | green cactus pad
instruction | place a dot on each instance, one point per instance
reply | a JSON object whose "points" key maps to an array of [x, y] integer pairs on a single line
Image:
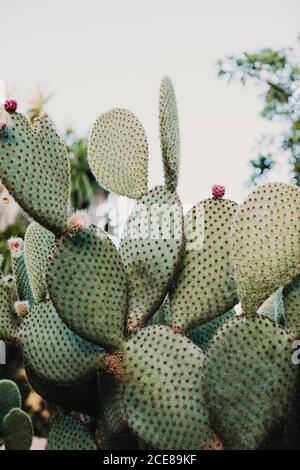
{"points": [[87, 284], [111, 395], [34, 167], [291, 301], [169, 133], [53, 351], [163, 394], [36, 248], [22, 280], [249, 380], [205, 286], [10, 397], [152, 248], [68, 433], [265, 247], [17, 430], [273, 308], [8, 321], [118, 153], [202, 335], [162, 316], [81, 396]]}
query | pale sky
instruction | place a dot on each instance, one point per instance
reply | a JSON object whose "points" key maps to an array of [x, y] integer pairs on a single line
{"points": [[95, 55]]}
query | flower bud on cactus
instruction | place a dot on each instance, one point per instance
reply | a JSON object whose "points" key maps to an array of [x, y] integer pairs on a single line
{"points": [[78, 221], [218, 191], [15, 246], [10, 106], [21, 308]]}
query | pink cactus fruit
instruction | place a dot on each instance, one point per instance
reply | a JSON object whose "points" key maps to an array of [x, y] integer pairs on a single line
{"points": [[10, 106], [218, 191]]}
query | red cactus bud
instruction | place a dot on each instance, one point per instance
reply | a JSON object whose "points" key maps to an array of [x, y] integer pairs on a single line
{"points": [[3, 125], [218, 191], [10, 106]]}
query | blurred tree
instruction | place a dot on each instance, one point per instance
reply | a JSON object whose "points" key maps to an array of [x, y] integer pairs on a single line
{"points": [[36, 103], [277, 75], [83, 183]]}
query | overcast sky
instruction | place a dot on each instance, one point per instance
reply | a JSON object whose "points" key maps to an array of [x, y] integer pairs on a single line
{"points": [[95, 55]]}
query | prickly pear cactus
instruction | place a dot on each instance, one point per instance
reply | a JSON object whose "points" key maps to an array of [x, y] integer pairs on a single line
{"points": [[101, 289], [249, 381], [34, 168], [151, 248], [144, 345], [169, 133], [15, 425], [68, 433], [118, 153], [36, 248], [205, 287], [265, 243]]}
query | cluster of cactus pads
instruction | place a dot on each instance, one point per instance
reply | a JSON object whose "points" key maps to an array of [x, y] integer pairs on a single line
{"points": [[140, 346], [15, 425]]}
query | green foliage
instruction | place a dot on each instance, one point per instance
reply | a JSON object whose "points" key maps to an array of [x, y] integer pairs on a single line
{"points": [[276, 73], [83, 183]]}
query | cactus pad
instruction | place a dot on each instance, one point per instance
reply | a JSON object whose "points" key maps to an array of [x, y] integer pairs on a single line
{"points": [[53, 351], [17, 430], [202, 335], [111, 395], [151, 248], [36, 248], [249, 380], [266, 248], [273, 308], [205, 286], [68, 433], [118, 153], [163, 395], [34, 167], [162, 316], [8, 321], [87, 282], [169, 133], [9, 397], [291, 301], [21, 277]]}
